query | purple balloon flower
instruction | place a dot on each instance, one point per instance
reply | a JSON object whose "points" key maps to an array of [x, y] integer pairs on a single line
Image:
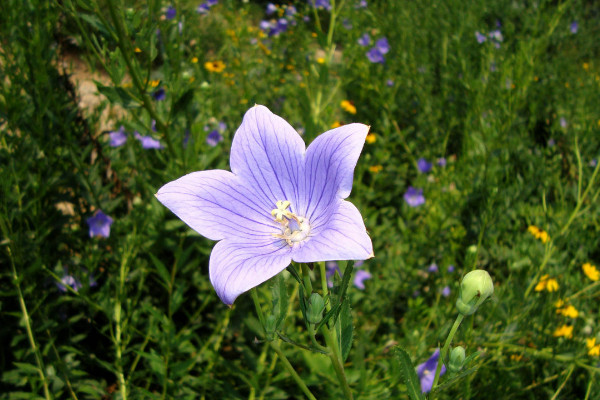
{"points": [[441, 162], [450, 268], [574, 27], [170, 13], [159, 94], [68, 280], [433, 268], [214, 138], [480, 37], [426, 371], [100, 224], [271, 9], [118, 138], [280, 202], [148, 142], [360, 277], [375, 56], [364, 40], [382, 45], [423, 165], [446, 291], [414, 197], [321, 3], [361, 4]]}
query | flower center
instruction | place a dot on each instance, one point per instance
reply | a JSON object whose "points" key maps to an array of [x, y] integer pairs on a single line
{"points": [[294, 229]]}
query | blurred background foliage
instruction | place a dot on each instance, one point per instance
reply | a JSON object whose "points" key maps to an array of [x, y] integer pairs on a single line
{"points": [[509, 123]]}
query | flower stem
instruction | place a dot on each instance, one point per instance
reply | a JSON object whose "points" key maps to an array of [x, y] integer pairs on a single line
{"points": [[444, 352], [336, 361], [286, 363]]}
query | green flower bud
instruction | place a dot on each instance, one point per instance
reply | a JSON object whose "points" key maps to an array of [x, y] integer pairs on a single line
{"points": [[270, 326], [316, 305], [475, 287], [457, 359]]}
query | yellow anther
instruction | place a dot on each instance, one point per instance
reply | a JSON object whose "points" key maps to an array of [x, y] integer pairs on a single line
{"points": [[281, 210]]}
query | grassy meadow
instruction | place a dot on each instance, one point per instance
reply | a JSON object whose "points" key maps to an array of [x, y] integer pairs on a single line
{"points": [[482, 154]]}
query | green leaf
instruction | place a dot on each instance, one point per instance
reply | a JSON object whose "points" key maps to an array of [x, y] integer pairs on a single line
{"points": [[182, 103], [117, 95], [346, 329], [409, 374], [280, 300], [161, 270]]}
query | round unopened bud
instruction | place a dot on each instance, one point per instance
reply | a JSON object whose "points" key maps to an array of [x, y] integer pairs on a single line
{"points": [[270, 326], [457, 359], [316, 305], [475, 288]]}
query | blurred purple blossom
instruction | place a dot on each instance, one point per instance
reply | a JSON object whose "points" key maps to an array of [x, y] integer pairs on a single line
{"points": [[574, 27], [433, 268], [441, 162], [360, 277], [364, 40], [480, 37], [450, 268], [383, 45], [170, 13], [414, 197], [68, 280], [389, 82], [593, 163], [375, 56], [148, 142], [347, 24], [118, 138], [99, 224], [423, 165], [214, 138], [290, 11], [446, 291], [563, 122], [159, 94], [271, 9], [361, 4], [321, 3], [426, 371]]}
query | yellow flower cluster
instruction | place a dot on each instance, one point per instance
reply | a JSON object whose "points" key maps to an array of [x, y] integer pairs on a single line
{"points": [[538, 233], [348, 107], [376, 168], [593, 348], [371, 138], [547, 283], [565, 331], [214, 66], [590, 271], [568, 311]]}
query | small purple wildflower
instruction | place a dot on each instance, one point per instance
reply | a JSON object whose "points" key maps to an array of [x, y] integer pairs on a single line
{"points": [[551, 142], [383, 45], [262, 213], [99, 225], [593, 163], [321, 3], [480, 37], [118, 138], [364, 40], [450, 268], [426, 371], [433, 268], [170, 13], [68, 280], [563, 122], [441, 162], [414, 197], [148, 142], [214, 138], [361, 4], [203, 8], [423, 165], [493, 67], [574, 27], [290, 11], [347, 24], [222, 126], [271, 9], [496, 35], [360, 277], [153, 125], [446, 291], [264, 25], [389, 83], [375, 56], [159, 94]]}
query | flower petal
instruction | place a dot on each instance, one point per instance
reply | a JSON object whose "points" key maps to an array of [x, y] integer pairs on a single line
{"points": [[330, 162], [268, 154], [236, 266], [342, 237], [217, 205]]}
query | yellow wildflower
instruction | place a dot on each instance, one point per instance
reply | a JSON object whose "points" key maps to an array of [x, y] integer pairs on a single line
{"points": [[137, 50], [194, 60], [336, 124], [375, 168], [348, 107], [320, 60], [370, 139], [534, 230], [590, 271], [516, 357], [568, 311], [586, 66], [154, 83], [314, 34], [546, 283], [593, 348], [559, 303], [565, 331], [214, 66], [544, 236]]}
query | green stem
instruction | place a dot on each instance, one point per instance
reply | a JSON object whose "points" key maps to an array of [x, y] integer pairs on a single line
{"points": [[287, 365], [444, 352], [27, 320], [336, 361]]}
